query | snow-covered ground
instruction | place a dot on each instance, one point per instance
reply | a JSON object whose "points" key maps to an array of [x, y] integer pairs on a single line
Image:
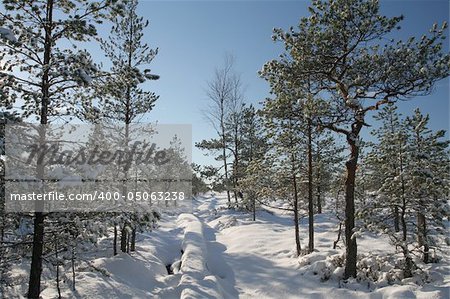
{"points": [[215, 252]]}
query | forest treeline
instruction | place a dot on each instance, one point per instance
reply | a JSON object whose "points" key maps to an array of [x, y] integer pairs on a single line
{"points": [[304, 145]]}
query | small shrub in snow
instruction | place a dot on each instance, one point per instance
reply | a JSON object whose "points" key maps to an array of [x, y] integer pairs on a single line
{"points": [[379, 270], [226, 222], [374, 271], [323, 266]]}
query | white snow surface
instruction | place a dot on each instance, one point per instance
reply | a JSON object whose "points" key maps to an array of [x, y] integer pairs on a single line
{"points": [[216, 252]]}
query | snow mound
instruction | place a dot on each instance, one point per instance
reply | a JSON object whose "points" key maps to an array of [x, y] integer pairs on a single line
{"points": [[325, 264], [125, 268], [196, 280], [194, 246], [224, 222]]}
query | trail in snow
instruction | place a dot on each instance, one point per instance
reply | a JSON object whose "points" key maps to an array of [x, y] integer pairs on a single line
{"points": [[201, 271], [259, 258], [260, 253]]}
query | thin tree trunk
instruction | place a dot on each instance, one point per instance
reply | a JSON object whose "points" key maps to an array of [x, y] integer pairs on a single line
{"points": [[133, 240], [396, 219], [124, 233], [115, 240], [310, 191], [57, 268], [296, 223], [403, 220], [422, 236], [338, 236], [123, 239], [319, 189], [72, 260], [421, 221], [296, 218], [34, 286], [128, 243], [319, 200], [395, 211], [254, 207], [236, 159], [407, 271], [128, 117], [225, 166], [351, 248]]}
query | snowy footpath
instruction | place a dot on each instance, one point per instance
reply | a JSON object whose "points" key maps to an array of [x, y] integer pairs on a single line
{"points": [[258, 258], [215, 252]]}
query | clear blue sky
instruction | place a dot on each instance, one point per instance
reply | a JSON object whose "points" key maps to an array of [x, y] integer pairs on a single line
{"points": [[193, 37]]}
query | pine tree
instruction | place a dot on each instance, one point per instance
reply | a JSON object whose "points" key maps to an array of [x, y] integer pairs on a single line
{"points": [[408, 169], [199, 185], [428, 177], [335, 51], [44, 74], [254, 146], [122, 99], [327, 157], [389, 206], [392, 137], [283, 123]]}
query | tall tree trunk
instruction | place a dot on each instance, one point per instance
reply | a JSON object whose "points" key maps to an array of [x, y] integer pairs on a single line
{"points": [[225, 166], [254, 206], [72, 262], [296, 223], [123, 239], [351, 248], [235, 195], [422, 236], [57, 267], [128, 243], [338, 236], [133, 240], [319, 189], [115, 240], [34, 286], [128, 118], [407, 271], [236, 161], [296, 218], [396, 219], [396, 211], [310, 191], [421, 221]]}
